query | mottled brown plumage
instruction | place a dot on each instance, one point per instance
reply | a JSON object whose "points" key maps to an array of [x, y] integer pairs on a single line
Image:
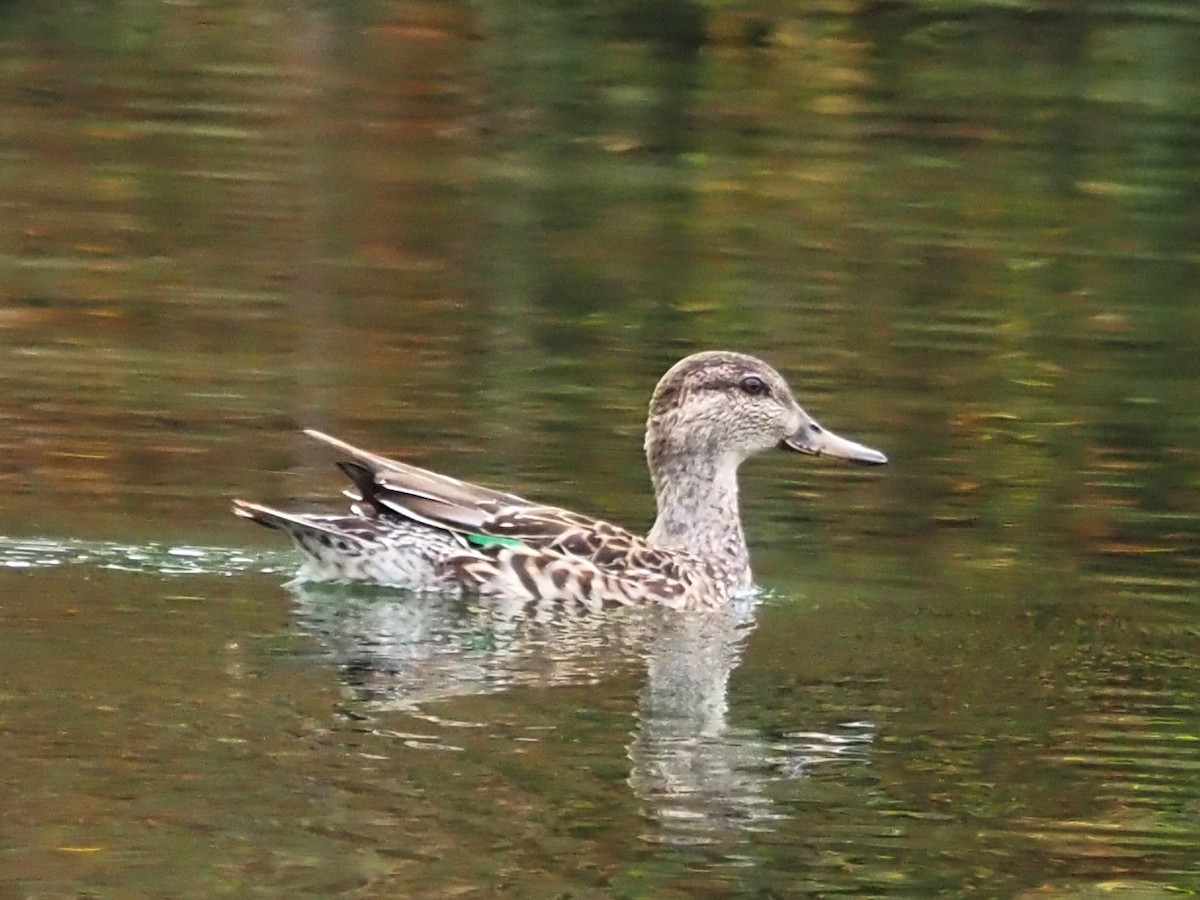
{"points": [[416, 528]]}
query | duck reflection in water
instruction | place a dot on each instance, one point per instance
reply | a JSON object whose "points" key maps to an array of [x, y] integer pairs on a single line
{"points": [[699, 779], [697, 775]]}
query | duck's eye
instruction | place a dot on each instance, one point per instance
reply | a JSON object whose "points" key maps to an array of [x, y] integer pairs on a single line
{"points": [[754, 386]]}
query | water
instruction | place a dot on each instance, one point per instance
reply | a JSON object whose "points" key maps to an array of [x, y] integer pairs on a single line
{"points": [[474, 239]]}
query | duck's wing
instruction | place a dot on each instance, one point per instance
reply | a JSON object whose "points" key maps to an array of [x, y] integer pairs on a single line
{"points": [[510, 545], [487, 518], [415, 480]]}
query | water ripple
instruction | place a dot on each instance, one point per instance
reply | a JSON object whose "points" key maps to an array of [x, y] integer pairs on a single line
{"points": [[150, 558]]}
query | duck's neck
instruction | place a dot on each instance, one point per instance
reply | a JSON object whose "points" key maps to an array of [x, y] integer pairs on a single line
{"points": [[698, 510]]}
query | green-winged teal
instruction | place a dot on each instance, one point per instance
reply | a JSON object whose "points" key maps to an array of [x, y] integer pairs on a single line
{"points": [[413, 528]]}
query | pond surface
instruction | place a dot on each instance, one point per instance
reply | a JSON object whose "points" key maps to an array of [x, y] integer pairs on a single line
{"points": [[473, 239]]}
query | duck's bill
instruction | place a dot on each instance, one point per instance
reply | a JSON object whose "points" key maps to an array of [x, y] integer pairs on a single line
{"points": [[815, 440]]}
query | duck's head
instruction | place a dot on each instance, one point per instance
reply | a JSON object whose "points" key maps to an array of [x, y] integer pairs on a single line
{"points": [[724, 406]]}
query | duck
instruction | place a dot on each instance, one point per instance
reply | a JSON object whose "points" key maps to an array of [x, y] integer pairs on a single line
{"points": [[420, 530]]}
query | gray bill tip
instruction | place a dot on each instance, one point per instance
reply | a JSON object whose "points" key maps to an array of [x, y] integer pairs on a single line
{"points": [[816, 441], [871, 457]]}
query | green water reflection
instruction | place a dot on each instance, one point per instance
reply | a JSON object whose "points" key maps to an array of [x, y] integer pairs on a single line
{"points": [[474, 238]]}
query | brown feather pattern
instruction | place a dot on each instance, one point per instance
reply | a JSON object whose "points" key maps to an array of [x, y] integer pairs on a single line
{"points": [[421, 529]]}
